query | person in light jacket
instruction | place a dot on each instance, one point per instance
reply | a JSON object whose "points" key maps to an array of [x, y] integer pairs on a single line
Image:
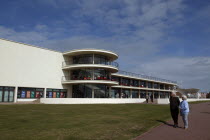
{"points": [[184, 110]]}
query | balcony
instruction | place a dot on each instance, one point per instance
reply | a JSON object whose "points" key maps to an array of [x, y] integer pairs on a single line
{"points": [[111, 66], [142, 76], [87, 80]]}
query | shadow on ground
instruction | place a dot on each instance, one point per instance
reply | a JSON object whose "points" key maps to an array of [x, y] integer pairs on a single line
{"points": [[166, 123]]}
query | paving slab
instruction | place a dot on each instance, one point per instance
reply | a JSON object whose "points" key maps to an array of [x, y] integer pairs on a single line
{"points": [[199, 126]]}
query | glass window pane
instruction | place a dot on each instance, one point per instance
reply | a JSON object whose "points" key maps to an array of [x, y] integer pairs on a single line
{"points": [[6, 96], [1, 95], [11, 96]]}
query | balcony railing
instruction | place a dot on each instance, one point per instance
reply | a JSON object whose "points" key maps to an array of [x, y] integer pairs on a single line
{"points": [[69, 63], [145, 77], [67, 78]]}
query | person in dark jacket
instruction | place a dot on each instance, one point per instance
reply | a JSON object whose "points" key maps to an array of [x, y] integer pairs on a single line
{"points": [[174, 108]]}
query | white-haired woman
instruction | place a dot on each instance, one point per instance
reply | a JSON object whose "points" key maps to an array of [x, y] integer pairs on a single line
{"points": [[184, 110]]}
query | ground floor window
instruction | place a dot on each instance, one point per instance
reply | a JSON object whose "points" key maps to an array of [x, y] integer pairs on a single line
{"points": [[115, 93], [126, 93], [25, 92], [135, 94], [142, 93], [6, 94], [56, 93], [156, 95], [164, 94], [90, 91]]}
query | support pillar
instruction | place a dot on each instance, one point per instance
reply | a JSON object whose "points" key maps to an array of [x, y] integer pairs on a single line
{"points": [[159, 94], [15, 96], [110, 92], [92, 93], [45, 92], [130, 93], [139, 94]]}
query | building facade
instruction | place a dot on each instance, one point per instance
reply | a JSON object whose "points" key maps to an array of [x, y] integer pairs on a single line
{"points": [[29, 73]]}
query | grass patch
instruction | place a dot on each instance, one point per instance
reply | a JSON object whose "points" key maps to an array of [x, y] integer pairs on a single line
{"points": [[83, 122]]}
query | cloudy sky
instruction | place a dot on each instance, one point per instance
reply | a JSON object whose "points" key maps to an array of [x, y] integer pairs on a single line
{"points": [[164, 38]]}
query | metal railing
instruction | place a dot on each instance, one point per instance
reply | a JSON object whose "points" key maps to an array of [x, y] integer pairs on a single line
{"points": [[145, 77], [67, 78], [69, 63]]}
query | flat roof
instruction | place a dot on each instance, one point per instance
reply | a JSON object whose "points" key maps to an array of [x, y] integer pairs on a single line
{"points": [[107, 53]]}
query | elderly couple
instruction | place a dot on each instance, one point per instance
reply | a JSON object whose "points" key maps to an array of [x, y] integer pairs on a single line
{"points": [[175, 105]]}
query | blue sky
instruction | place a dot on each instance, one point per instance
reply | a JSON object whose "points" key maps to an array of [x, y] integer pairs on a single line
{"points": [[164, 38]]}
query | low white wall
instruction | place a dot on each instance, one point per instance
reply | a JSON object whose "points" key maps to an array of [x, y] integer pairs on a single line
{"points": [[163, 101], [26, 100], [166, 101], [89, 101], [193, 100]]}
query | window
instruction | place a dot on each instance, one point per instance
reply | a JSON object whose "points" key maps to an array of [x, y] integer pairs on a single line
{"points": [[83, 59], [99, 59], [56, 93], [125, 82], [24, 92], [142, 84], [149, 84], [142, 93], [135, 94], [7, 94]]}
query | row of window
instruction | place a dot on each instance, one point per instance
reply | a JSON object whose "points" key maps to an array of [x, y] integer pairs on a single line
{"points": [[90, 74], [125, 93], [88, 59], [102, 91], [39, 93], [136, 83]]}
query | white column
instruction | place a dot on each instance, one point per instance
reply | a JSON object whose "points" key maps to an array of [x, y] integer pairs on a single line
{"points": [[159, 94], [130, 93], [45, 92], [139, 94], [15, 94], [110, 91], [92, 93]]}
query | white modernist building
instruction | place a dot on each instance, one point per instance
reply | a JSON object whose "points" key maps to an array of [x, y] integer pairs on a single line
{"points": [[28, 73]]}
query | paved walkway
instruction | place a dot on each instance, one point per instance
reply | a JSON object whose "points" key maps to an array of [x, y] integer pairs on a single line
{"points": [[199, 126]]}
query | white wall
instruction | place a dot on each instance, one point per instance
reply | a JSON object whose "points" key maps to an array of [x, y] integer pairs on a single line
{"points": [[89, 101], [27, 66]]}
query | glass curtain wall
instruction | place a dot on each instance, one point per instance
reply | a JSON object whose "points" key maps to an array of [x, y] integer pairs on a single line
{"points": [[101, 74], [115, 93], [90, 74], [135, 83], [135, 94], [115, 79], [126, 93], [83, 59], [149, 84], [88, 90], [143, 83], [156, 85], [100, 91], [156, 95], [125, 82], [100, 59], [142, 93]]}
